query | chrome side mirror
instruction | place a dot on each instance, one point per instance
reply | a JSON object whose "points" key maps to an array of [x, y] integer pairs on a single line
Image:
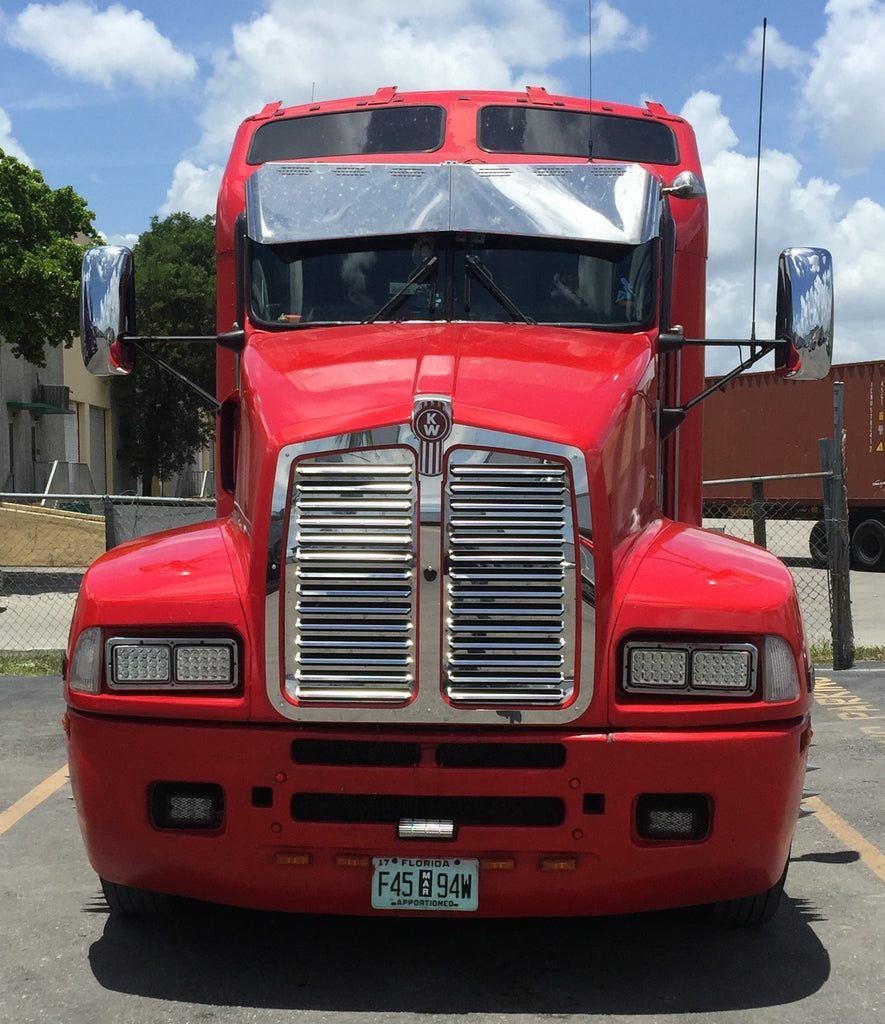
{"points": [[686, 185], [804, 323], [107, 310]]}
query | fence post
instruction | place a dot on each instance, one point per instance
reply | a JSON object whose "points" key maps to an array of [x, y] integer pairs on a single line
{"points": [[110, 531], [840, 611], [758, 505]]}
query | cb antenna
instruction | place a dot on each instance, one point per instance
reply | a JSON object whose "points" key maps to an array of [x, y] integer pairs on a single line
{"points": [[758, 166], [590, 76]]}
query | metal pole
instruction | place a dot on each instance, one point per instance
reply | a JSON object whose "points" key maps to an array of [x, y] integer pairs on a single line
{"points": [[758, 504], [842, 627]]}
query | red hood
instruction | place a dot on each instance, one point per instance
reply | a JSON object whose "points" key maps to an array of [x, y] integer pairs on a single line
{"points": [[567, 386]]}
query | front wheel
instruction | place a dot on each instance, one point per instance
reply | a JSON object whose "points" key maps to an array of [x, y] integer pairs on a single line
{"points": [[126, 899], [750, 910]]}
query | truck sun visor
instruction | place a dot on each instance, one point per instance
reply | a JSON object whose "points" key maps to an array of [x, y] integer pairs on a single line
{"points": [[301, 202]]}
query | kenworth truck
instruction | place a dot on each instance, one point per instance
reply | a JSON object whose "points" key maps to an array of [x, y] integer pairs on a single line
{"points": [[455, 643]]}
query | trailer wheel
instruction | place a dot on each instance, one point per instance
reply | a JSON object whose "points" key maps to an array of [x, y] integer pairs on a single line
{"points": [[132, 902], [868, 545], [818, 546], [749, 911]]}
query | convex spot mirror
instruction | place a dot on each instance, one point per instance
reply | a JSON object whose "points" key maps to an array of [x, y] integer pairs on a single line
{"points": [[804, 324], [107, 310]]}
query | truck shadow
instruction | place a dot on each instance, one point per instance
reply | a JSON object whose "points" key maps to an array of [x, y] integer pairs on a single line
{"points": [[641, 964]]}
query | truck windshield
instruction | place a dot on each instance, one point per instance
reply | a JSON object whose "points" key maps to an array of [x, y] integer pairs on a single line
{"points": [[451, 276]]}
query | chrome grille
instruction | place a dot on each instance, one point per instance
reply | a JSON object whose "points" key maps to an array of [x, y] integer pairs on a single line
{"points": [[421, 598], [510, 587], [350, 579]]}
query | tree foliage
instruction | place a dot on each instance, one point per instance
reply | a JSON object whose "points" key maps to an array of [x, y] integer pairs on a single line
{"points": [[163, 423], [39, 260]]}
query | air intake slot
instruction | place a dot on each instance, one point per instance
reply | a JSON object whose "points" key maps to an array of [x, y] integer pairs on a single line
{"points": [[359, 753], [500, 755], [381, 809]]}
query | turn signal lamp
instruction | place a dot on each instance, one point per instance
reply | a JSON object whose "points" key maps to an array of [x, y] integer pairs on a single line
{"points": [[781, 678], [85, 671]]}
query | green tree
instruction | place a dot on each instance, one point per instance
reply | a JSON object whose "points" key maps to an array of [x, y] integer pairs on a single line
{"points": [[162, 421], [39, 260]]}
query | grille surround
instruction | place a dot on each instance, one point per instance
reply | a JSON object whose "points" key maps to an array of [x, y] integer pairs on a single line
{"points": [[420, 598]]}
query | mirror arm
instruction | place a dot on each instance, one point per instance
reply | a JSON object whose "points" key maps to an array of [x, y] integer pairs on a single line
{"points": [[671, 417], [143, 349]]}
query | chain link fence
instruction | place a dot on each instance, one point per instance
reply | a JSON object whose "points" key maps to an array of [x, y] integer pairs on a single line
{"points": [[47, 543], [794, 531]]}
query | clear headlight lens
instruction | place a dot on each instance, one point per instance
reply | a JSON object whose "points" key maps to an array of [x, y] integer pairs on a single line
{"points": [[171, 663], [689, 668]]}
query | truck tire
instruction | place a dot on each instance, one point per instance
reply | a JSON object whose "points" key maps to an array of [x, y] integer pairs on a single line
{"points": [[868, 545], [750, 911], [132, 902], [818, 546]]}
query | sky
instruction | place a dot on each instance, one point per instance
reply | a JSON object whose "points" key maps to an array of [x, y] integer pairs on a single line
{"points": [[135, 104]]}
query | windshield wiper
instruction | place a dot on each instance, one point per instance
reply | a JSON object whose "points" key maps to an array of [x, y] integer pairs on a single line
{"points": [[476, 267], [403, 292]]}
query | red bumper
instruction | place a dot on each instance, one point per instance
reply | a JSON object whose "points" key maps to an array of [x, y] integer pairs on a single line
{"points": [[752, 777]]}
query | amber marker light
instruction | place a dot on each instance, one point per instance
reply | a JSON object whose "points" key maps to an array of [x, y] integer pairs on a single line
{"points": [[497, 863], [349, 860], [292, 859], [558, 863]]}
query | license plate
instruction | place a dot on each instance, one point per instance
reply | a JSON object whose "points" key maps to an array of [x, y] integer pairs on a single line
{"points": [[425, 883]]}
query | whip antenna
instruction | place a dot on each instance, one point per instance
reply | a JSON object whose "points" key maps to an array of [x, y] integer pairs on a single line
{"points": [[590, 75], [758, 166]]}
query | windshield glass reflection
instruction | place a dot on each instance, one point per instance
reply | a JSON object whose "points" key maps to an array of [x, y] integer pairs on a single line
{"points": [[451, 276]]}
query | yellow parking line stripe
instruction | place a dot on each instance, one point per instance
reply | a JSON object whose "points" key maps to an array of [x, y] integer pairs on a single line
{"points": [[33, 799], [869, 854]]}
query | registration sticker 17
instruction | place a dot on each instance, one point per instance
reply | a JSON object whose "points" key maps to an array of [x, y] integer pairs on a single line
{"points": [[424, 883]]}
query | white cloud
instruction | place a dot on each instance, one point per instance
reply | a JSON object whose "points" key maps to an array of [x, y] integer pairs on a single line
{"points": [[779, 54], [847, 78], [294, 52], [193, 190], [100, 46], [792, 212], [129, 240], [8, 143], [613, 31]]}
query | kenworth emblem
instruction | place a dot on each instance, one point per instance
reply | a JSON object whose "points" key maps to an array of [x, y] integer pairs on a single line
{"points": [[431, 424]]}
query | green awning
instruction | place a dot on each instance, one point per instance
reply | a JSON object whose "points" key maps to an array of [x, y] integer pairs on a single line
{"points": [[40, 408]]}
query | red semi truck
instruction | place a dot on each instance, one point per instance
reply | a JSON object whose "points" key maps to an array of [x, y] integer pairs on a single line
{"points": [[761, 426], [455, 642]]}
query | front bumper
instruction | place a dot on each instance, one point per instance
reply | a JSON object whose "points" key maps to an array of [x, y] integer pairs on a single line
{"points": [[298, 833]]}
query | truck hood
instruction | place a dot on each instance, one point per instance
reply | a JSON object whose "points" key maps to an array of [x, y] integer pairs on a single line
{"points": [[569, 386]]}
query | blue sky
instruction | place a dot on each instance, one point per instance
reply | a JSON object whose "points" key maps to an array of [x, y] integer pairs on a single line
{"points": [[134, 104]]}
